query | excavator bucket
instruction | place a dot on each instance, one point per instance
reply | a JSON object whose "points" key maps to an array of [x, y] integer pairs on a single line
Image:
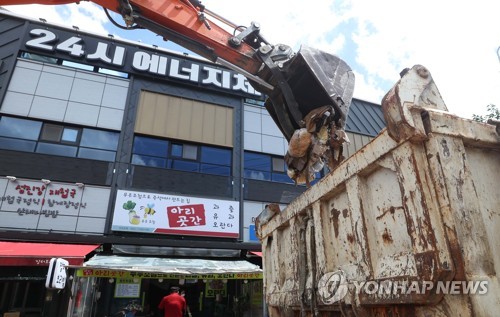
{"points": [[310, 80]]}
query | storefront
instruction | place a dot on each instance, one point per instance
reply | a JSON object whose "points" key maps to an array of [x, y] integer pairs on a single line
{"points": [[118, 285], [23, 270]]}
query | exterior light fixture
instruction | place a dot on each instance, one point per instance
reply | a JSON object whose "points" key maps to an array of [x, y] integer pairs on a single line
{"points": [[46, 181], [43, 20], [11, 178], [80, 185]]}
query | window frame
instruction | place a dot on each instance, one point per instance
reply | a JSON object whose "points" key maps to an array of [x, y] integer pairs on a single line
{"points": [[15, 142], [177, 159]]}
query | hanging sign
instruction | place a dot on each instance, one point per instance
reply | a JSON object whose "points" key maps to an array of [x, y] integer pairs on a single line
{"points": [[127, 288], [179, 215]]}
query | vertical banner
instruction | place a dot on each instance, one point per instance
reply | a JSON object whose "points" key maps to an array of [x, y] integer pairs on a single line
{"points": [[215, 287], [180, 215]]}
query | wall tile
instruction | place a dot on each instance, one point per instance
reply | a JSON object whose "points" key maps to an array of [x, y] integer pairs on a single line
{"points": [[110, 119], [16, 103], [58, 70], [252, 122], [24, 80], [48, 108], [91, 76], [252, 141], [117, 82], [272, 145], [80, 113], [63, 223], [54, 86], [114, 97], [29, 64], [269, 127], [90, 225], [86, 91]]}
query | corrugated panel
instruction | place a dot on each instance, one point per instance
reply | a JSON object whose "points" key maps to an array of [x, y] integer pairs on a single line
{"points": [[184, 119], [357, 141], [365, 118]]}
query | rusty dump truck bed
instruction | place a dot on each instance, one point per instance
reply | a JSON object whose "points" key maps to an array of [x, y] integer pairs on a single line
{"points": [[407, 226]]}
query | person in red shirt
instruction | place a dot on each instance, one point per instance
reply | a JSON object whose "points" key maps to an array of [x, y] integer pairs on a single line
{"points": [[173, 305]]}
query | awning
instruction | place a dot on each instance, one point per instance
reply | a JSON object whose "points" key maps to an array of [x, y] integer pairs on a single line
{"points": [[39, 254], [256, 253], [159, 267]]}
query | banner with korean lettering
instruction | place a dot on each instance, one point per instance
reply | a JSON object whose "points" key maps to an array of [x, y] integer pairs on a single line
{"points": [[181, 215], [45, 206]]}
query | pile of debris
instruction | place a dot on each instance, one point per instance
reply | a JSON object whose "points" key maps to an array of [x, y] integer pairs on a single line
{"points": [[318, 142]]}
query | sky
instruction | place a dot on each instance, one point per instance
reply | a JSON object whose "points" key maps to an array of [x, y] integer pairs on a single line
{"points": [[457, 41]]}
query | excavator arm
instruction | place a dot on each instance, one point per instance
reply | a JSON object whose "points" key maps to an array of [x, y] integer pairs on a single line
{"points": [[296, 83]]}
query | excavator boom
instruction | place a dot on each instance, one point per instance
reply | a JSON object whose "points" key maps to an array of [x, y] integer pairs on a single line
{"points": [[296, 83]]}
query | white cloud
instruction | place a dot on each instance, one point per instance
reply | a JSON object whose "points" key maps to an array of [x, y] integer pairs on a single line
{"points": [[457, 41], [87, 16]]}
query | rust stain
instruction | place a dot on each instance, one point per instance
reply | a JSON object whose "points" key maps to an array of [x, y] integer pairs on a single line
{"points": [[335, 219], [350, 238], [345, 213], [446, 149], [391, 210], [387, 236]]}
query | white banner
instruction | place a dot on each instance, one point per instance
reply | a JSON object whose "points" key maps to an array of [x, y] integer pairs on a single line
{"points": [[180, 215], [52, 206]]}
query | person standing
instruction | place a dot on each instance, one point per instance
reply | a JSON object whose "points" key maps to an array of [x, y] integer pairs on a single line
{"points": [[188, 311], [173, 305]]}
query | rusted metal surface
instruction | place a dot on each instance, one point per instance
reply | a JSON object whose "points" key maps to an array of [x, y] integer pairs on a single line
{"points": [[418, 204]]}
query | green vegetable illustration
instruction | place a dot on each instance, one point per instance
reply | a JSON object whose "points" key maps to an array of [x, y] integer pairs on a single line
{"points": [[132, 215], [129, 205]]}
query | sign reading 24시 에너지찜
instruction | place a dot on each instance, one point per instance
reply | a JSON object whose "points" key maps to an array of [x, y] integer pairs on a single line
{"points": [[181, 215]]}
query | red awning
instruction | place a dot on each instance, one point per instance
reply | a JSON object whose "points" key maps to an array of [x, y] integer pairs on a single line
{"points": [[256, 253], [39, 254]]}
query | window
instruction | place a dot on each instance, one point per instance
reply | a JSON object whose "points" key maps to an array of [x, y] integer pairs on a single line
{"points": [[112, 72], [150, 152], [78, 65], [255, 102], [57, 139], [162, 153], [279, 164], [39, 58], [20, 128], [104, 140], [189, 152], [59, 133], [265, 167]]}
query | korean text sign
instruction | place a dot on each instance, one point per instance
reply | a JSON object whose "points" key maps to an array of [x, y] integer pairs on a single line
{"points": [[169, 214]]}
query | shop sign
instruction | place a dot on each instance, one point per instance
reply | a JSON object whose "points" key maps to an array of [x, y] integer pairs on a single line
{"points": [[180, 215], [128, 58], [105, 273], [44, 205], [215, 287], [127, 288]]}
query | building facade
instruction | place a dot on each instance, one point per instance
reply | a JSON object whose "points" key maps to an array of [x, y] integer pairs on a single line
{"points": [[145, 168]]}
